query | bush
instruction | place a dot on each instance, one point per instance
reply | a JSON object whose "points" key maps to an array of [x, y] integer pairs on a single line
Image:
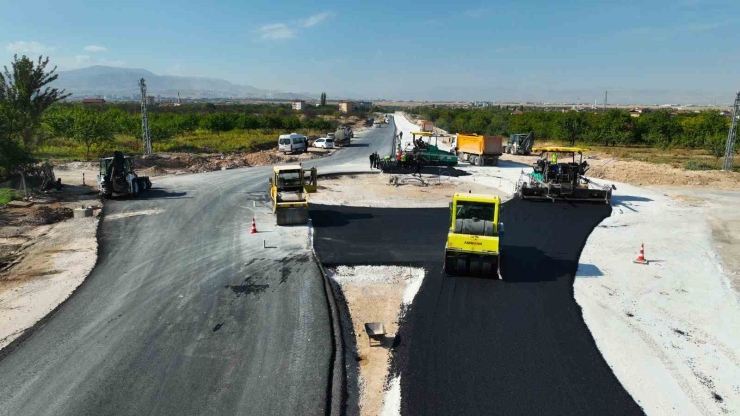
{"points": [[7, 195], [694, 165]]}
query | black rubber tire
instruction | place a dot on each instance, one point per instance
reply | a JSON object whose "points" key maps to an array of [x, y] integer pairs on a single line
{"points": [[486, 269], [134, 188], [148, 184], [475, 266], [461, 266]]}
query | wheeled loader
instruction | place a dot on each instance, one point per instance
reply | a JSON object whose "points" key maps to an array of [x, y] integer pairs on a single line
{"points": [[290, 186], [473, 241], [117, 177], [552, 179]]}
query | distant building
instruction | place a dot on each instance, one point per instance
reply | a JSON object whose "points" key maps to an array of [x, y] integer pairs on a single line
{"points": [[150, 100], [346, 106], [299, 105], [365, 104], [725, 113], [637, 112], [517, 112], [93, 101]]}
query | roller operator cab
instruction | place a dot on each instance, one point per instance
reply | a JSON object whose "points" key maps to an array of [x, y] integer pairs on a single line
{"points": [[473, 241]]}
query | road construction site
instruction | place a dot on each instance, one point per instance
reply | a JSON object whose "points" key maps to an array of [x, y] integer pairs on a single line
{"points": [[187, 311]]}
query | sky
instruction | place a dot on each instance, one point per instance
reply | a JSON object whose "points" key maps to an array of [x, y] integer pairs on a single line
{"points": [[682, 51]]}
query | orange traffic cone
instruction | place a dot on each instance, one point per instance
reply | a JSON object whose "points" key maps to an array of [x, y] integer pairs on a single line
{"points": [[641, 258], [254, 227]]}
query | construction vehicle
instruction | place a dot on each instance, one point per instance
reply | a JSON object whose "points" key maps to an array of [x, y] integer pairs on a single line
{"points": [[429, 154], [290, 186], [426, 125], [117, 177], [552, 179], [520, 144], [342, 137], [473, 241], [478, 150]]}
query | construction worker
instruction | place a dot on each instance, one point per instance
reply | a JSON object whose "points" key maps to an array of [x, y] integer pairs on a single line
{"points": [[377, 160], [403, 160], [417, 166], [386, 162], [554, 158], [372, 160]]}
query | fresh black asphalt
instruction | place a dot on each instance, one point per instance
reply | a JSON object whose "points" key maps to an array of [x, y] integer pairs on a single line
{"points": [[472, 346], [185, 313]]}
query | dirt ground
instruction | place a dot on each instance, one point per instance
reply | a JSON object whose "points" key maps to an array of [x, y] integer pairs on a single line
{"points": [[377, 190], [44, 253], [724, 221], [372, 294]]}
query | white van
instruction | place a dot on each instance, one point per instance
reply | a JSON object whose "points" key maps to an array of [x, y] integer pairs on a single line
{"points": [[293, 142]]}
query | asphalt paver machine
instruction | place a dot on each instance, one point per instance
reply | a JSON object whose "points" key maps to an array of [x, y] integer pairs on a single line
{"points": [[554, 179]]}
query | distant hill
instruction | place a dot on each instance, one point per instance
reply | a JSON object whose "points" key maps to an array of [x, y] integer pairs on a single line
{"points": [[112, 81]]}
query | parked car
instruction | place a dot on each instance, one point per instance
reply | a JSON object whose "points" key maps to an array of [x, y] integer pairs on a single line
{"points": [[324, 143], [293, 142]]}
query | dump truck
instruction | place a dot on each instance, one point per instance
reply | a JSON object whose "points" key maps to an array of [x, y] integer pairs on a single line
{"points": [[473, 240], [426, 125], [520, 144], [479, 150], [290, 186], [553, 179], [117, 177]]}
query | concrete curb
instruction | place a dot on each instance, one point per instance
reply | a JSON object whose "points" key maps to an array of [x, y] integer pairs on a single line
{"points": [[337, 394]]}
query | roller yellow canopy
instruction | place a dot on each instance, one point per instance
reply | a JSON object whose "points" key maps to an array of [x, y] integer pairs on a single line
{"points": [[423, 133], [558, 149]]}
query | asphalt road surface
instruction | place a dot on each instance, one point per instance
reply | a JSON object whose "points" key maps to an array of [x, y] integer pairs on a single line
{"points": [[473, 346], [185, 313]]}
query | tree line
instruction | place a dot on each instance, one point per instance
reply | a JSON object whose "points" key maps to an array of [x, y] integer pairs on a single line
{"points": [[614, 127], [32, 111], [92, 125]]}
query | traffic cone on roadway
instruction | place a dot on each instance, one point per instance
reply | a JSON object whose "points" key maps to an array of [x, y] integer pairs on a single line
{"points": [[641, 258], [254, 227]]}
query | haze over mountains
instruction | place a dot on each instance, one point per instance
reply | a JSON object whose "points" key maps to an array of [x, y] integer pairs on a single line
{"points": [[110, 81]]}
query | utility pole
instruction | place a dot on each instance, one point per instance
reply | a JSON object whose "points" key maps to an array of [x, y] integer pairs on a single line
{"points": [[732, 135], [145, 120], [606, 95]]}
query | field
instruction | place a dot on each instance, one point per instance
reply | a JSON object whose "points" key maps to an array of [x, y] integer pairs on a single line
{"points": [[689, 159], [200, 141]]}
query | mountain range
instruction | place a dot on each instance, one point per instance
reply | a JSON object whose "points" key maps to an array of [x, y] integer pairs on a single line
{"points": [[111, 81]]}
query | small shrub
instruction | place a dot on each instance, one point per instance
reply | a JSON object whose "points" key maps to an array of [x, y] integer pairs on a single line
{"points": [[695, 165], [7, 195]]}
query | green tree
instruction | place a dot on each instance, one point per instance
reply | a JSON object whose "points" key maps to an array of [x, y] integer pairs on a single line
{"points": [[323, 99], [25, 89], [218, 122], [91, 127], [571, 126]]}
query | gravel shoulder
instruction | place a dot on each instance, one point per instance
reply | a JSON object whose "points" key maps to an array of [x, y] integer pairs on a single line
{"points": [[44, 253]]}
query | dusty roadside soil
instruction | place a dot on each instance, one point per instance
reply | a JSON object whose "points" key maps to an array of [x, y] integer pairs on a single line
{"points": [[44, 254], [371, 294], [165, 164], [378, 191]]}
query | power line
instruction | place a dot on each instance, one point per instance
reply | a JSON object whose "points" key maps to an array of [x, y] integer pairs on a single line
{"points": [[145, 119], [732, 135]]}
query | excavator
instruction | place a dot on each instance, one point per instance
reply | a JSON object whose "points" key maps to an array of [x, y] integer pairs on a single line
{"points": [[290, 186], [473, 241]]}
